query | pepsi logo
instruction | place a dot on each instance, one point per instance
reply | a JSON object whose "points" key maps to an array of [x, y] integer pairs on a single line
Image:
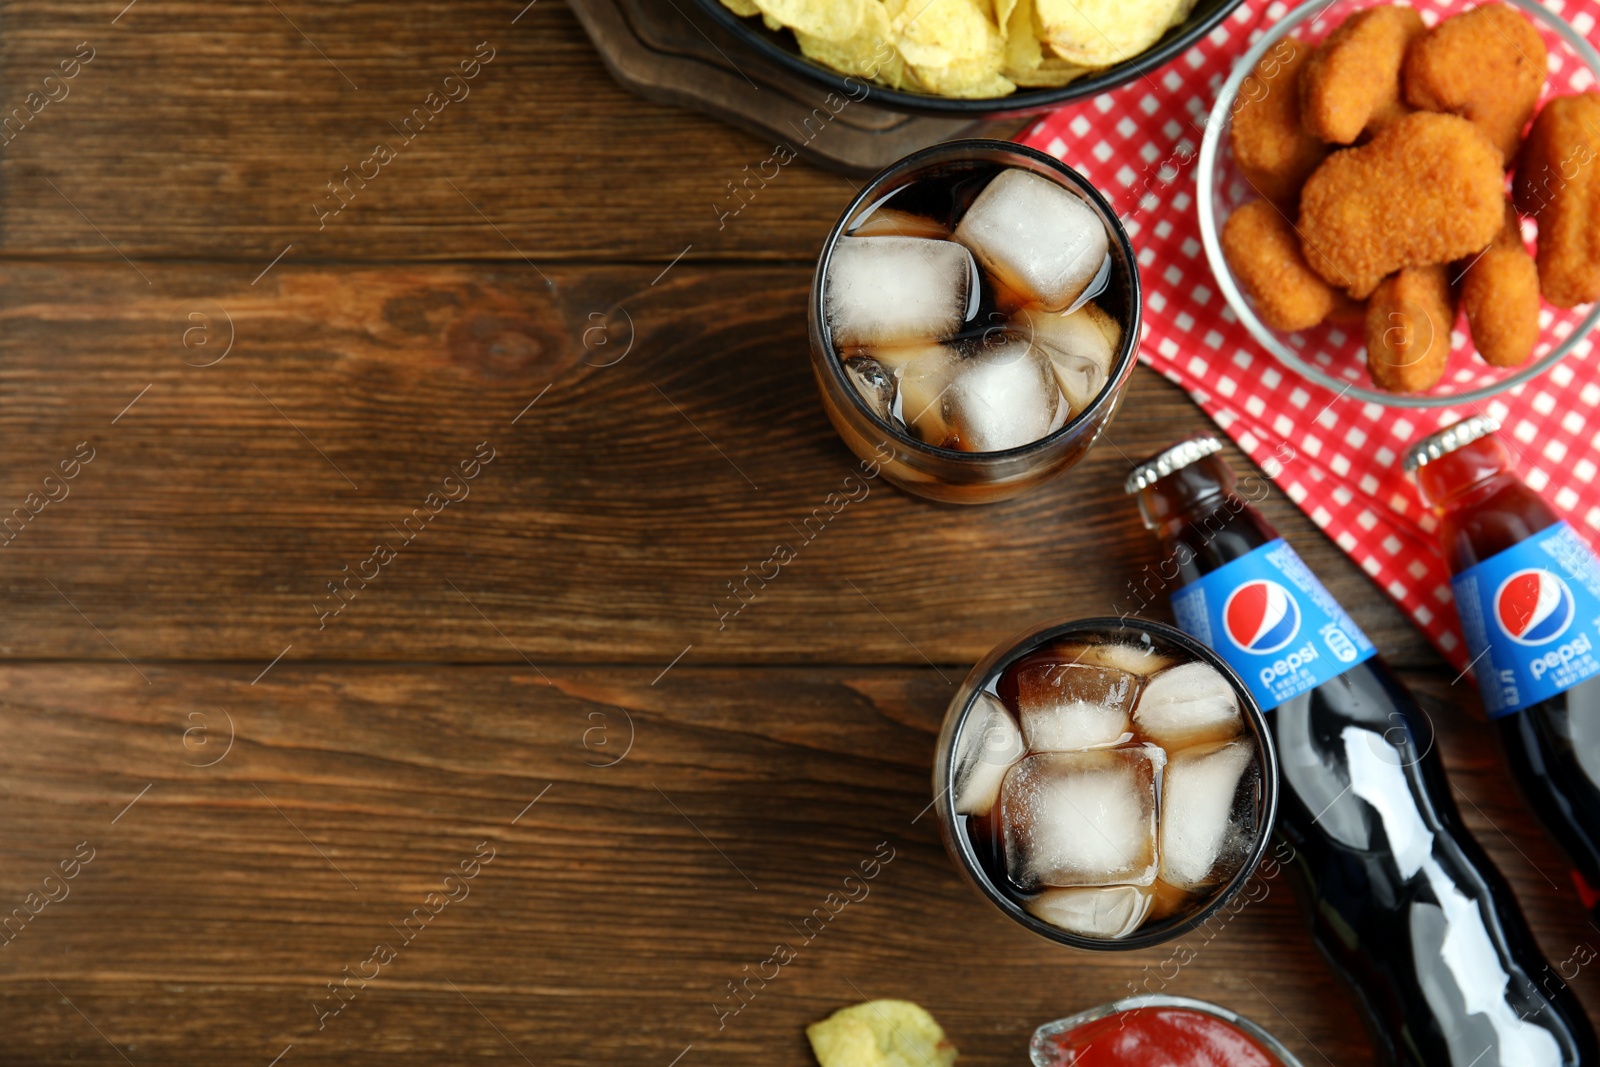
{"points": [[1533, 606], [1261, 616]]}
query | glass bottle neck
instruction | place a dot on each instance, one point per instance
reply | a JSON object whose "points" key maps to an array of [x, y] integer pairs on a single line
{"points": [[1483, 507], [1202, 518]]}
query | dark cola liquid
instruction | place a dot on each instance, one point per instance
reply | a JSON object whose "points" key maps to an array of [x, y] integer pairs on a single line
{"points": [[1550, 746], [1401, 900]]}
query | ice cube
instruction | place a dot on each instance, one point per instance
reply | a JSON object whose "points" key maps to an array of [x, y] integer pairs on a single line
{"points": [[1002, 395], [897, 290], [875, 383], [1135, 659], [1187, 705], [1039, 239], [1068, 706], [1082, 345], [988, 745], [1207, 814], [1081, 818], [1098, 911], [891, 222]]}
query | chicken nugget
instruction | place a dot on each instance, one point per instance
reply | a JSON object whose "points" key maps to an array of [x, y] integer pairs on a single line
{"points": [[1274, 151], [1409, 319], [1352, 81], [1501, 298], [1510, 235], [1558, 183], [1487, 65], [1264, 253], [1427, 189], [1347, 310]]}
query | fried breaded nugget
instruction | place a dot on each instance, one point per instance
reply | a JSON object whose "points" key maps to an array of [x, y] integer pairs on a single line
{"points": [[1501, 298], [1274, 151], [1352, 82], [1559, 184], [1487, 65], [1265, 255], [1510, 235], [1427, 189], [1409, 319], [1347, 310]]}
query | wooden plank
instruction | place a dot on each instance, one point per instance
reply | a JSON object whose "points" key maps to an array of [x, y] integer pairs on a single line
{"points": [[221, 899], [221, 500], [199, 131]]}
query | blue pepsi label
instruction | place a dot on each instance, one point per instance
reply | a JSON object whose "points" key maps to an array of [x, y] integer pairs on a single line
{"points": [[1269, 617], [1531, 616]]}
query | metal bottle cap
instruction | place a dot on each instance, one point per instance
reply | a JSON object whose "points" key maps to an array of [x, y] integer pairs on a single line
{"points": [[1175, 458], [1441, 444]]}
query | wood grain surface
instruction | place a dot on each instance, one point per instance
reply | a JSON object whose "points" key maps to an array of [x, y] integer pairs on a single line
{"points": [[683, 828], [676, 439], [543, 685], [211, 130]]}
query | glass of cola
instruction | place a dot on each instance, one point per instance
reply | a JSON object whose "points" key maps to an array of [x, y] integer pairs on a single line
{"points": [[974, 316], [1108, 783]]}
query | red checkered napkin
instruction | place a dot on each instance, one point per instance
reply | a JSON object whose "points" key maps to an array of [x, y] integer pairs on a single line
{"points": [[1338, 458]]}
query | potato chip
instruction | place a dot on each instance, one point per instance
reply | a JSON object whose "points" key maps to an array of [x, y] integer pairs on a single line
{"points": [[938, 33], [1023, 53], [973, 49], [1098, 33], [951, 46], [870, 53], [881, 1033], [1053, 73], [1002, 15], [827, 20], [969, 79]]}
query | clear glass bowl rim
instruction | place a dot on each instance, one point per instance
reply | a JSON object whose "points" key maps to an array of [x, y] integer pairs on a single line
{"points": [[1158, 1000], [1284, 353], [897, 172], [1026, 641]]}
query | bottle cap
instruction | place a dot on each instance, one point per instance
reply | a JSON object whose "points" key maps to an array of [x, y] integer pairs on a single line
{"points": [[1441, 444], [1175, 458]]}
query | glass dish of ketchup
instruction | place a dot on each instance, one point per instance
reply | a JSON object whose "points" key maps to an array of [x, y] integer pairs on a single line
{"points": [[1157, 1031]]}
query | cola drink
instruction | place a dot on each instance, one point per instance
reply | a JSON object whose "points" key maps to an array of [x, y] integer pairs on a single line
{"points": [[1401, 901], [1527, 589], [974, 320], [1108, 783]]}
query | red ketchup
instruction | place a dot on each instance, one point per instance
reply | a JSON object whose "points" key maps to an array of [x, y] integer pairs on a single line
{"points": [[1157, 1037]]}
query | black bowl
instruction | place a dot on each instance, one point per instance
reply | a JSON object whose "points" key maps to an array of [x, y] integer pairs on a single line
{"points": [[778, 46]]}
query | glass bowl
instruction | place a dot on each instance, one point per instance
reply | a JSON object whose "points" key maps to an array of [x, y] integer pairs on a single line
{"points": [[1333, 355], [1140, 633], [1039, 1047], [779, 49]]}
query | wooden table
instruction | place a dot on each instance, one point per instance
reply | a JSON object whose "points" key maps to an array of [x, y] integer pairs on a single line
{"points": [[533, 686]]}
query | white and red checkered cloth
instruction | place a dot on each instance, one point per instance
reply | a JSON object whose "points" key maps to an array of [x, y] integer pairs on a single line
{"points": [[1337, 457]]}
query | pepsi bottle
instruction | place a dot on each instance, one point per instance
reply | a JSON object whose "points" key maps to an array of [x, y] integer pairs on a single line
{"points": [[1527, 589], [1401, 900]]}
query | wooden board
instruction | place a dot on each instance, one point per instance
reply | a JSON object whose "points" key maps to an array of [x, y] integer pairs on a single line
{"points": [[673, 53]]}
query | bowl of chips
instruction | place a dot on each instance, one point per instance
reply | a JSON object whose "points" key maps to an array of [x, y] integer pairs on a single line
{"points": [[974, 58], [1399, 201]]}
